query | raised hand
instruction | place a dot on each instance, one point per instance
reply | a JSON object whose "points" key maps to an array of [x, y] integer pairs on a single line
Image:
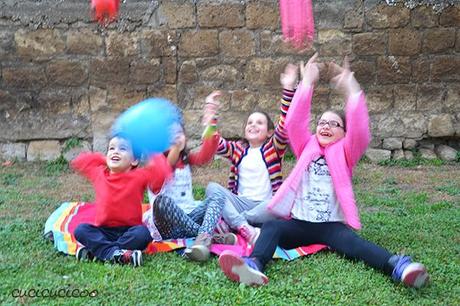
{"points": [[310, 71], [211, 106], [288, 78], [343, 79]]}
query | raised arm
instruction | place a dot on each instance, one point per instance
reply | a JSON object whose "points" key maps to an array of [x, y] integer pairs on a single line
{"points": [[298, 117], [288, 81], [157, 171], [357, 134], [87, 163]]}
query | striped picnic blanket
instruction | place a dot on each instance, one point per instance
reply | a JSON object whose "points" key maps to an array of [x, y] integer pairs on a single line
{"points": [[62, 223]]}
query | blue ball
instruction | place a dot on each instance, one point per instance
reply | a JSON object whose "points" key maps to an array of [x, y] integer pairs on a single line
{"points": [[148, 126]]}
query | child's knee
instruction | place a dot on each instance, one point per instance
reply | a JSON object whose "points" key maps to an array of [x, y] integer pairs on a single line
{"points": [[81, 231], [213, 188]]}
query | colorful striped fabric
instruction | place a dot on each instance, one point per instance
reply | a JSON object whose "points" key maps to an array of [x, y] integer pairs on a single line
{"points": [[65, 219]]}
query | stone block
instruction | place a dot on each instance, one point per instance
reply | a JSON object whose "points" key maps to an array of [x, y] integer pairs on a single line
{"points": [[420, 70], [145, 71], [167, 91], [97, 99], [378, 155], [43, 150], [243, 100], [334, 43], [6, 43], [383, 16], [393, 70], [452, 102], [221, 74], [450, 17], [409, 143], [424, 17], [446, 153], [445, 68], [106, 71], [24, 77], [379, 99], [122, 44], [188, 73], [392, 144], [457, 44], [405, 97], [157, 43], [414, 125], [66, 73], [364, 71], [39, 44], [120, 97], [264, 71], [430, 98], [373, 43], [199, 43], [268, 102], [441, 126], [178, 14], [262, 15], [398, 155], [404, 42], [237, 43], [70, 154], [84, 42], [274, 44], [409, 155], [169, 69], [215, 14], [427, 153], [9, 151], [354, 19], [438, 40], [101, 124]]}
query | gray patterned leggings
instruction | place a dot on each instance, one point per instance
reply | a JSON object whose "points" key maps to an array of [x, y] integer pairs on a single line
{"points": [[173, 223]]}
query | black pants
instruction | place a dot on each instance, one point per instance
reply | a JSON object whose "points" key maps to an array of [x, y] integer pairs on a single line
{"points": [[104, 241], [294, 233]]}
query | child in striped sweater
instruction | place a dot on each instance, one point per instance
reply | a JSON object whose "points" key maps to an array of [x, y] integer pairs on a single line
{"points": [[255, 165]]}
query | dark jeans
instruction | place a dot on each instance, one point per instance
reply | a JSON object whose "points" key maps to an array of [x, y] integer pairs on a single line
{"points": [[104, 241], [290, 234]]}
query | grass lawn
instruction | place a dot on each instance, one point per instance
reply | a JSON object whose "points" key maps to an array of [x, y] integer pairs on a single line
{"points": [[407, 209]]}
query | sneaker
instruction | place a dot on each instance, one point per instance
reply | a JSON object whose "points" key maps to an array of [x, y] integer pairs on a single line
{"points": [[241, 269], [412, 274], [199, 251], [249, 233], [128, 257], [83, 254], [227, 238], [222, 227]]}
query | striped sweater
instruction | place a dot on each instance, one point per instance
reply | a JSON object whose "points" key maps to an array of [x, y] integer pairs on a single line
{"points": [[272, 150]]}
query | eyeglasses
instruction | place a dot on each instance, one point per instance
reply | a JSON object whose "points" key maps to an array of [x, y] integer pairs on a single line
{"points": [[331, 123]]}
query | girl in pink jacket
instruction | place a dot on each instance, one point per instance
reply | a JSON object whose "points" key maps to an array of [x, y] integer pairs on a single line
{"points": [[317, 200]]}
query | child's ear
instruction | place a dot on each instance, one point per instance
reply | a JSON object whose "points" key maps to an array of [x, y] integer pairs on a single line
{"points": [[135, 163]]}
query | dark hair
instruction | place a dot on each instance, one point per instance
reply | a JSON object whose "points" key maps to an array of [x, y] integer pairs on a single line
{"points": [[270, 124], [339, 113]]}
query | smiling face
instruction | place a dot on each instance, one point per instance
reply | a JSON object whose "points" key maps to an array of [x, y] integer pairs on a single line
{"points": [[256, 130], [120, 156], [327, 133]]}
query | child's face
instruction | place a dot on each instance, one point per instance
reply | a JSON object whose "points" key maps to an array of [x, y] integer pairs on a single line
{"points": [[329, 129], [256, 130], [120, 156]]}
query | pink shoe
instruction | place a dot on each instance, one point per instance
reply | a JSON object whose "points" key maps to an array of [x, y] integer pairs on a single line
{"points": [[249, 233], [241, 269]]}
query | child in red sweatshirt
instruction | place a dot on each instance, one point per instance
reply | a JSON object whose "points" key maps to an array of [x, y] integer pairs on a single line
{"points": [[118, 234]]}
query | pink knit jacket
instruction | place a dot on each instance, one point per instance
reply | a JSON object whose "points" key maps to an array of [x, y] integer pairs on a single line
{"points": [[341, 156]]}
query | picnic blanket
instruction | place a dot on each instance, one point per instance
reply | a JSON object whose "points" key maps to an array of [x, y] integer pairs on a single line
{"points": [[62, 223]]}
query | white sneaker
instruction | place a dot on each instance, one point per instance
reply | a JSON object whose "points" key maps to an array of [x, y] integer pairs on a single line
{"points": [[242, 270]]}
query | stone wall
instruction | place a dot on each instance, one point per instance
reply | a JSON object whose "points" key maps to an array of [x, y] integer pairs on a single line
{"points": [[63, 76]]}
